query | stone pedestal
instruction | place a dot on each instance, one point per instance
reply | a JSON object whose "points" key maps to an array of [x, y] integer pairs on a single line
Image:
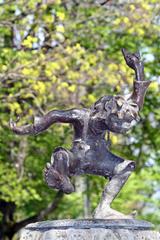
{"points": [[97, 229]]}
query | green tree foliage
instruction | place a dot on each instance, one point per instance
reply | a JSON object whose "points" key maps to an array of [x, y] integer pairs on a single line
{"points": [[60, 54]]}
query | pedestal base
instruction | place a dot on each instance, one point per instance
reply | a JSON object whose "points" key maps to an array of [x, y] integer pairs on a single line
{"points": [[125, 229]]}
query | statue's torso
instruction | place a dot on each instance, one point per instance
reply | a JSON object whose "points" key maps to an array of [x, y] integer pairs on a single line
{"points": [[89, 145], [88, 131]]}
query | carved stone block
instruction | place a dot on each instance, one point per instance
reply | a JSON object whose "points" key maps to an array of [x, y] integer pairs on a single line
{"points": [[90, 230]]}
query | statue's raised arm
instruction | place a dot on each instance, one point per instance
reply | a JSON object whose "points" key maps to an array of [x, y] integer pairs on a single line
{"points": [[133, 60], [42, 123]]}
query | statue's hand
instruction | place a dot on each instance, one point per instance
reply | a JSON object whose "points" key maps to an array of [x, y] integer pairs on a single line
{"points": [[133, 60], [28, 129]]}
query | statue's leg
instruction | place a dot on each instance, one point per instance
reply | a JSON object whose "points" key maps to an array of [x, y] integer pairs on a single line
{"points": [[120, 175], [57, 172]]}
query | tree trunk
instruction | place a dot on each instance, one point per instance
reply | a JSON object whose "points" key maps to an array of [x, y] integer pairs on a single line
{"points": [[9, 229]]}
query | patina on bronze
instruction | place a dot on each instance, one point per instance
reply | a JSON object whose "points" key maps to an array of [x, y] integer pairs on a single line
{"points": [[89, 153]]}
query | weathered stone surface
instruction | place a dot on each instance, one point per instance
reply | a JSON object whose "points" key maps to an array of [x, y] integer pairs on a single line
{"points": [[90, 230]]}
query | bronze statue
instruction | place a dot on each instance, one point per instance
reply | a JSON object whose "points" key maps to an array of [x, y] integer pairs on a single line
{"points": [[89, 153]]}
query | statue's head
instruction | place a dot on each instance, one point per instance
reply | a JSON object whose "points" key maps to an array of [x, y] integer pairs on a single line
{"points": [[117, 112]]}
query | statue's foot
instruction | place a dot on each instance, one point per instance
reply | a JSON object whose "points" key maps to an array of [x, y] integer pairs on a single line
{"points": [[56, 180], [109, 213]]}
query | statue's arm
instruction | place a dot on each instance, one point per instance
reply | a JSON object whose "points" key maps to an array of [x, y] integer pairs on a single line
{"points": [[133, 60], [42, 123]]}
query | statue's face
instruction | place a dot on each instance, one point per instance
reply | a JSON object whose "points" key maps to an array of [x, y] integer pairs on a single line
{"points": [[122, 114]]}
